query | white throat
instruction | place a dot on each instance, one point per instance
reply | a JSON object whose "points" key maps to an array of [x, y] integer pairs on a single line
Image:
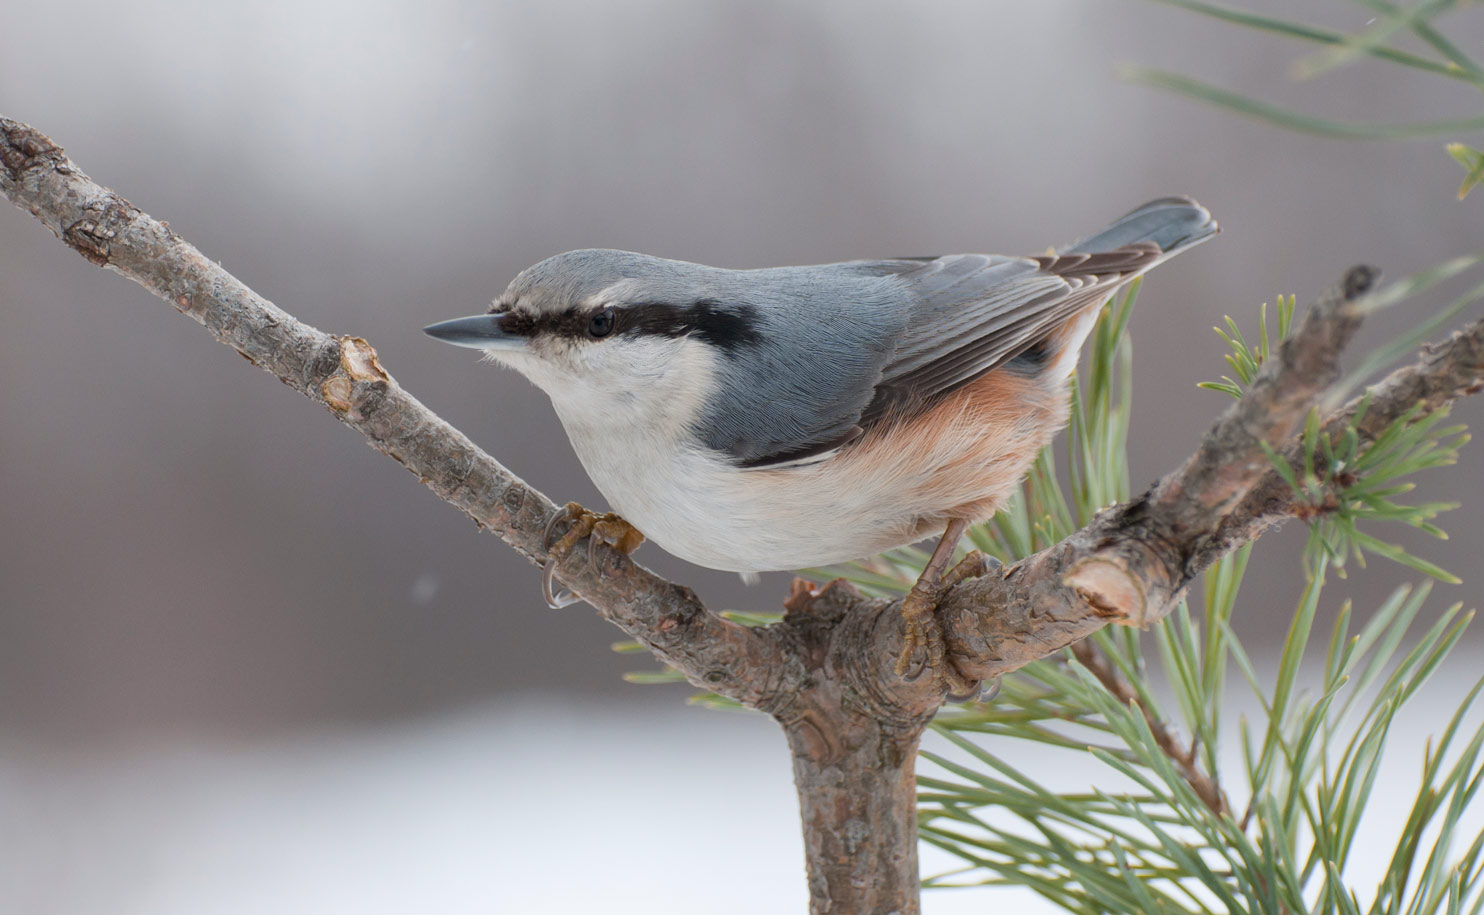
{"points": [[624, 388], [629, 407]]}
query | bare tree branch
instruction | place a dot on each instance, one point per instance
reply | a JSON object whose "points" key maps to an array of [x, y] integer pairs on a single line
{"points": [[826, 672], [344, 375]]}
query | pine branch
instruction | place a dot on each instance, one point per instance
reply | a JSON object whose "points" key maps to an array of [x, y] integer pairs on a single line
{"points": [[1133, 561], [1446, 371]]}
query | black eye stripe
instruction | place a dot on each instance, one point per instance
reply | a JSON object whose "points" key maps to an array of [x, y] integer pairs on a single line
{"points": [[726, 327], [570, 324], [518, 323]]}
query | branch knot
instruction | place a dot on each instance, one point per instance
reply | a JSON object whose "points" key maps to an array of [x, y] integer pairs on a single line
{"points": [[93, 235], [23, 147]]}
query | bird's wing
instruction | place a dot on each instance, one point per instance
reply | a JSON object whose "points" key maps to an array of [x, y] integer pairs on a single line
{"points": [[957, 317], [974, 312], [965, 314]]}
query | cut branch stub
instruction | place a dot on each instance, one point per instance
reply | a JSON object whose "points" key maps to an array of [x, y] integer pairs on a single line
{"points": [[1110, 589]]}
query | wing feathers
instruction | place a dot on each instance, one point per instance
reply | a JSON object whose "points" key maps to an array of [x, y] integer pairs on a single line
{"points": [[983, 319], [970, 313]]}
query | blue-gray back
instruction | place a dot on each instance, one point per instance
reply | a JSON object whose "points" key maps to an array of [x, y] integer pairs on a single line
{"points": [[812, 356], [845, 346], [824, 336]]}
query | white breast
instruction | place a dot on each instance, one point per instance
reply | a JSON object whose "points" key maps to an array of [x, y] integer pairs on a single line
{"points": [[634, 436], [708, 512]]}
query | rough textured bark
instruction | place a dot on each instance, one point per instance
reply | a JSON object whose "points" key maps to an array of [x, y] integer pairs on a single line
{"points": [[859, 809], [825, 672], [854, 748]]}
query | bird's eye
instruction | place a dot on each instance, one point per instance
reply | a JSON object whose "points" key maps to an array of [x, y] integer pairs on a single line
{"points": [[601, 325]]}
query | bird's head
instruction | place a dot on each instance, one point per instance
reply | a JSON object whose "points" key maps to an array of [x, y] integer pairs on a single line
{"points": [[611, 336]]}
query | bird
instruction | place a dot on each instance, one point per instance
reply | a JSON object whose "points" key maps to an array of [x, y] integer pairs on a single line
{"points": [[754, 420]]}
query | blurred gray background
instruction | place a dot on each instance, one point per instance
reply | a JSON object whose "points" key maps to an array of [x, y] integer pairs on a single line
{"points": [[190, 552]]}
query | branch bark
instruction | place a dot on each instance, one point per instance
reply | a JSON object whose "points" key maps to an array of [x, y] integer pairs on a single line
{"points": [[344, 375], [825, 672]]}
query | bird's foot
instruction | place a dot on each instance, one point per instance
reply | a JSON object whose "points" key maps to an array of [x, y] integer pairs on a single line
{"points": [[606, 528], [923, 648]]}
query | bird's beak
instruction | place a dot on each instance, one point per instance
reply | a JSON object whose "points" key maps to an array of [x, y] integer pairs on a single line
{"points": [[477, 332]]}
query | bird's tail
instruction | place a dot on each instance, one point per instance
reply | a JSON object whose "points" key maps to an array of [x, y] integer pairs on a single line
{"points": [[1173, 223], [1124, 250]]}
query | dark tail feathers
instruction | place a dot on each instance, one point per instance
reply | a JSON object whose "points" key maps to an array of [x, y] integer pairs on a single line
{"points": [[1172, 223]]}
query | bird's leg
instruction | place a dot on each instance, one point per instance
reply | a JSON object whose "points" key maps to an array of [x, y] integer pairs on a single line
{"points": [[922, 632], [974, 565], [605, 528]]}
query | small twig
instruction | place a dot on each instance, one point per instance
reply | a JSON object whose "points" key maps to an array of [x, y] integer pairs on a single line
{"points": [[1204, 785], [1231, 459], [1445, 371]]}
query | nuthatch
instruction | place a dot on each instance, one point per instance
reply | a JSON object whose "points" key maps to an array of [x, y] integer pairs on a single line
{"points": [[757, 420]]}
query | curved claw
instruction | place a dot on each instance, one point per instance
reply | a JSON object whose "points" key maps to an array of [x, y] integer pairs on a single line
{"points": [[565, 513], [910, 666], [993, 692], [608, 528], [915, 657], [548, 578], [976, 691], [569, 512]]}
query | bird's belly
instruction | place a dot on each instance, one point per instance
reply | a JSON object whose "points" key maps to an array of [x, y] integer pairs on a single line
{"points": [[720, 517], [966, 456]]}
